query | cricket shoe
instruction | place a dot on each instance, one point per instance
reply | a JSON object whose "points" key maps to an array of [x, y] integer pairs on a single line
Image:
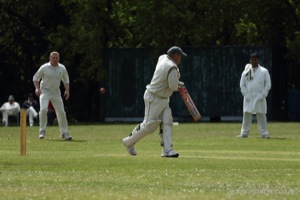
{"points": [[131, 150], [242, 136], [66, 136], [266, 137], [170, 154], [42, 134]]}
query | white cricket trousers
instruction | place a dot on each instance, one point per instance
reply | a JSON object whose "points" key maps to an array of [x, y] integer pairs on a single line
{"points": [[58, 105], [32, 114], [157, 108], [9, 112], [261, 123]]}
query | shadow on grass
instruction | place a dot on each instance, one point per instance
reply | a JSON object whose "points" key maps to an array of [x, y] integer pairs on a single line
{"points": [[61, 140], [272, 138], [277, 138]]}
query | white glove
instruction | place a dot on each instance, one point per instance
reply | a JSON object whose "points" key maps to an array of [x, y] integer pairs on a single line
{"points": [[180, 84]]}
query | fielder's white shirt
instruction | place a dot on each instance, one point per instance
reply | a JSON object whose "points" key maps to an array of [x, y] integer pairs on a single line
{"points": [[258, 86], [11, 109], [51, 78]]}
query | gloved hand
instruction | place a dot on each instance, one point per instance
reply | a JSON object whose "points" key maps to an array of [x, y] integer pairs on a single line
{"points": [[181, 83]]}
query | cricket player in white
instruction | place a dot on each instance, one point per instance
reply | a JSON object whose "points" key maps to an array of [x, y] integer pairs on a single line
{"points": [[255, 84], [51, 74], [156, 97], [10, 108]]}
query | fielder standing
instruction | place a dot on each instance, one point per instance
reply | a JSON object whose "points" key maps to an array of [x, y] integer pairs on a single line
{"points": [[255, 84], [51, 74], [164, 82]]}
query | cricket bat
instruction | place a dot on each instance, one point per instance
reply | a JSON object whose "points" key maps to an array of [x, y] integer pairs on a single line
{"points": [[189, 103]]}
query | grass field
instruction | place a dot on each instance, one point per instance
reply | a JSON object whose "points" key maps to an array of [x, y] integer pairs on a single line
{"points": [[213, 164]]}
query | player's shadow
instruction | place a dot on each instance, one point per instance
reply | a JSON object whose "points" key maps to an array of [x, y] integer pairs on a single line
{"points": [[275, 138], [61, 140], [278, 138]]}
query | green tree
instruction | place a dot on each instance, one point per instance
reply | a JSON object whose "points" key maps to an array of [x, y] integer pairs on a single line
{"points": [[82, 31], [22, 40]]}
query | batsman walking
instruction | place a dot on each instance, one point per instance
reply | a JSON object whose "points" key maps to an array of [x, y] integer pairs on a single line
{"points": [[157, 95], [51, 74]]}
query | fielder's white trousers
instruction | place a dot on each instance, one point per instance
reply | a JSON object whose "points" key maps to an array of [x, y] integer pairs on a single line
{"points": [[58, 105], [31, 112], [261, 123]]}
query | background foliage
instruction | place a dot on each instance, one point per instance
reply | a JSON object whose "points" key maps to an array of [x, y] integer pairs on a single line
{"points": [[81, 30]]}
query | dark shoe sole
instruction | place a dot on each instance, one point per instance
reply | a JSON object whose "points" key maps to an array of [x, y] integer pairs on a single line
{"points": [[172, 156]]}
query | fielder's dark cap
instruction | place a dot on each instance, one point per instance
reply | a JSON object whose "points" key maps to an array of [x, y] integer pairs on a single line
{"points": [[255, 54], [175, 50]]}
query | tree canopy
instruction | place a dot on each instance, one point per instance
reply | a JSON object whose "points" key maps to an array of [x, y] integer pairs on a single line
{"points": [[82, 30]]}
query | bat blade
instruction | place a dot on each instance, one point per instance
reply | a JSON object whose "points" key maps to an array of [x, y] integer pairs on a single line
{"points": [[189, 103]]}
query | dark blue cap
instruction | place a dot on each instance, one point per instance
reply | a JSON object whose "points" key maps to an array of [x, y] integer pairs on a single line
{"points": [[176, 50]]}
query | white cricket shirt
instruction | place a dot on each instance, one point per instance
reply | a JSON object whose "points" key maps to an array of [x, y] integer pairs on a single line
{"points": [[51, 78]]}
